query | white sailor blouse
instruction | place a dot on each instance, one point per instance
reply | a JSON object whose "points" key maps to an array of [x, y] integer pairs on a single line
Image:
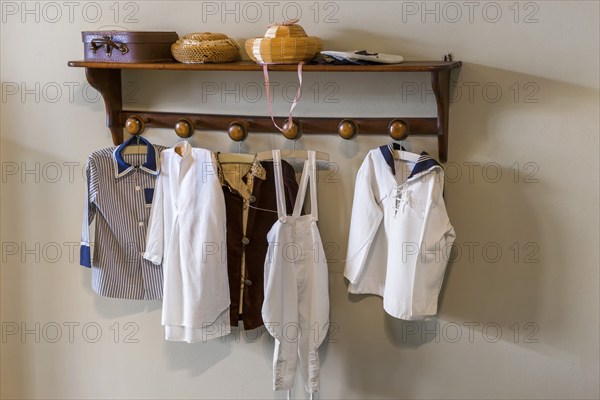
{"points": [[187, 232], [404, 258]]}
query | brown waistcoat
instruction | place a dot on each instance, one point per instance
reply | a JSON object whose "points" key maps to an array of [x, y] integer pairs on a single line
{"points": [[254, 244]]}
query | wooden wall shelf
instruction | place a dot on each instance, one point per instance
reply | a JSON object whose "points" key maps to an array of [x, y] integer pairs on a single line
{"points": [[106, 78]]}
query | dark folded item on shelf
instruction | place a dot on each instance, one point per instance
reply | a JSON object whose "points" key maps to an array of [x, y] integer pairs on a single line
{"points": [[324, 59]]}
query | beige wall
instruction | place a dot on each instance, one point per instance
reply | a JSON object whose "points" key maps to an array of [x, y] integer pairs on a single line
{"points": [[522, 179]]}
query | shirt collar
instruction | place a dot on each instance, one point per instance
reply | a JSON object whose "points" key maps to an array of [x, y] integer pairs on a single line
{"points": [[257, 170], [425, 162], [388, 154], [122, 168]]}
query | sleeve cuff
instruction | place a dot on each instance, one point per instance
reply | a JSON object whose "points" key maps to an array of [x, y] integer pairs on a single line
{"points": [[84, 256], [157, 260]]}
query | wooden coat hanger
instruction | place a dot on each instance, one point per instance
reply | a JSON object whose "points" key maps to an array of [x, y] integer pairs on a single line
{"points": [[403, 155], [136, 148], [235, 158], [406, 156], [268, 155]]}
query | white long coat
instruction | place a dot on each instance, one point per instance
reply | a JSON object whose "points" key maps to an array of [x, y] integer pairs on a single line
{"points": [[187, 231]]}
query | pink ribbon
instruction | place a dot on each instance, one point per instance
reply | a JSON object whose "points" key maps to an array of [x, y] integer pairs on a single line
{"points": [[270, 97]]}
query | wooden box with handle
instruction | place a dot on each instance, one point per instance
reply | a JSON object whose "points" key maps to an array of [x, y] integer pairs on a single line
{"points": [[128, 46]]}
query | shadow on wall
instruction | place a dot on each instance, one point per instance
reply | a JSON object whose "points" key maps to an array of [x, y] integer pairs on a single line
{"points": [[41, 198], [196, 358], [115, 308], [482, 97], [503, 263], [500, 267], [496, 273]]}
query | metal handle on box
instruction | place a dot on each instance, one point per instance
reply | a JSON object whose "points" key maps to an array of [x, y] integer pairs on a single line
{"points": [[108, 42]]}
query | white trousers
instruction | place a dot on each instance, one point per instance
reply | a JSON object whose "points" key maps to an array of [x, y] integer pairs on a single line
{"points": [[296, 304]]}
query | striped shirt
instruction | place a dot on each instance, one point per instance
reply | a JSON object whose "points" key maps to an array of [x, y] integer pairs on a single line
{"points": [[119, 195]]}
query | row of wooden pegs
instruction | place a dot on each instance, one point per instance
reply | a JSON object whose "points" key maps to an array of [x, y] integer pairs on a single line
{"points": [[238, 130]]}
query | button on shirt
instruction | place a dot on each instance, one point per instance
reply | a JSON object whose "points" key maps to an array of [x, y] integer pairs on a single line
{"points": [[251, 212], [186, 231], [121, 208]]}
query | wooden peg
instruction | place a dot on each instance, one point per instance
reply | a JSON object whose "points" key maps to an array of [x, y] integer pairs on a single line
{"points": [[184, 128], [292, 132], [347, 129], [398, 129], [135, 125], [237, 131]]}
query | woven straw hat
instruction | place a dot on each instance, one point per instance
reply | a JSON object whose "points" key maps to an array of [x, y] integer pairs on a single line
{"points": [[205, 47], [285, 43]]}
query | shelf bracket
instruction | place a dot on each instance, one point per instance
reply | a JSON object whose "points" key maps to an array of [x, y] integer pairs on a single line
{"points": [[440, 83], [108, 83]]}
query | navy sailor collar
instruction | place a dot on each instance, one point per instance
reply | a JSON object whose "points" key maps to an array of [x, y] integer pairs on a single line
{"points": [[122, 167], [425, 162]]}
